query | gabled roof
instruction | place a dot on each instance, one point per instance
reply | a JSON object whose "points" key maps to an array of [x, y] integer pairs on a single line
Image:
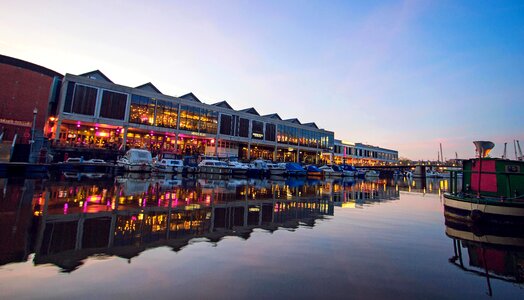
{"points": [[311, 124], [148, 87], [96, 75], [223, 104], [190, 97], [250, 110], [295, 120], [273, 116]]}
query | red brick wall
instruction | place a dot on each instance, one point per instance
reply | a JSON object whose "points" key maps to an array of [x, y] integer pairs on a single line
{"points": [[21, 90]]}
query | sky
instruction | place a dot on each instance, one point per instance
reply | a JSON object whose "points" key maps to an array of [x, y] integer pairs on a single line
{"points": [[403, 75]]}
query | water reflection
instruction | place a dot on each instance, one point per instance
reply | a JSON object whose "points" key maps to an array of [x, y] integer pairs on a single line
{"points": [[64, 222], [494, 252]]}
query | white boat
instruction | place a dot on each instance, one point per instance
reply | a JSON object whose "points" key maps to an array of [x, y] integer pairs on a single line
{"points": [[277, 169], [169, 166], [372, 174], [238, 168], [258, 167], [329, 172], [214, 167], [136, 160]]}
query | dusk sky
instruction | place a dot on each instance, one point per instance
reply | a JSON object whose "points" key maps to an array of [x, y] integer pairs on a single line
{"points": [[404, 75]]}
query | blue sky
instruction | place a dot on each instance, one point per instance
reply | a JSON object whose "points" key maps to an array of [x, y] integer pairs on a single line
{"points": [[405, 75]]}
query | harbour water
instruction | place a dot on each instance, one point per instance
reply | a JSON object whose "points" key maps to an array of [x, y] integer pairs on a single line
{"points": [[84, 236]]}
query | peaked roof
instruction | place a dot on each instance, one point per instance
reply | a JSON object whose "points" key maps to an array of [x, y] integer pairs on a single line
{"points": [[223, 104], [97, 75], [294, 120], [190, 97], [148, 87], [250, 110], [273, 116], [311, 124]]}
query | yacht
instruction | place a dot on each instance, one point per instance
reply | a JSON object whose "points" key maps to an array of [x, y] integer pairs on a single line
{"points": [[214, 167], [238, 168], [169, 166], [258, 167], [277, 169], [328, 171], [372, 174], [136, 160]]}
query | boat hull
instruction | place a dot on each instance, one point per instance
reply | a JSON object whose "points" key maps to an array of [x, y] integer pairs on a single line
{"points": [[491, 210]]}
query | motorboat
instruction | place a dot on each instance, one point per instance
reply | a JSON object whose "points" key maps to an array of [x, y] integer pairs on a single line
{"points": [[238, 168], [214, 166], [348, 170], [313, 171], [166, 165], [343, 173], [372, 174], [492, 190], [277, 169], [136, 160], [258, 167], [295, 169], [190, 164], [328, 171]]}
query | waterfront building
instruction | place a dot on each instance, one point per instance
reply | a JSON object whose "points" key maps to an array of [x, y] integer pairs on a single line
{"points": [[26, 92], [361, 154], [95, 113]]}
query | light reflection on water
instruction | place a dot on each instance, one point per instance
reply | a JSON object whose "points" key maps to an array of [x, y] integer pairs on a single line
{"points": [[190, 237]]}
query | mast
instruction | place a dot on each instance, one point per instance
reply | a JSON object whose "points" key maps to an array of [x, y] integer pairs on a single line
{"points": [[520, 151], [441, 153], [504, 155], [515, 146]]}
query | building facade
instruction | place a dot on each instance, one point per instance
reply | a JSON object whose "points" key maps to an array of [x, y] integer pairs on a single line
{"points": [[362, 154], [93, 112], [26, 90]]}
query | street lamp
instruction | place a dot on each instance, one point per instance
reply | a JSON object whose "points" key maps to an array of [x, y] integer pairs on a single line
{"points": [[35, 111]]}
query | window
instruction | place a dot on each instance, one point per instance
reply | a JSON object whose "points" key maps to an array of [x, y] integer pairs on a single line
{"points": [[257, 130], [142, 110], [113, 105], [243, 128], [69, 96], [166, 114], [84, 100], [270, 132], [189, 117], [208, 121], [225, 124]]}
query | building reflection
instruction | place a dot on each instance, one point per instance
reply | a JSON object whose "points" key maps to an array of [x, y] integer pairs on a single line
{"points": [[65, 222], [494, 252]]}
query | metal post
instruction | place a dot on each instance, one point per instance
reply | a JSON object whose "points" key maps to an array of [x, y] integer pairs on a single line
{"points": [[31, 156]]}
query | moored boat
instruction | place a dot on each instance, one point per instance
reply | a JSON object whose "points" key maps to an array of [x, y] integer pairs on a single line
{"points": [[328, 171], [169, 166], [295, 169], [214, 167], [492, 190], [136, 160], [277, 169], [313, 171]]}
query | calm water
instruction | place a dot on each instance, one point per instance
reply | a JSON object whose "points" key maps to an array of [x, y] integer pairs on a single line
{"points": [[84, 237]]}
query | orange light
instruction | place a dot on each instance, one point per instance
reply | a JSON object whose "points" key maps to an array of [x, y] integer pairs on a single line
{"points": [[52, 119]]}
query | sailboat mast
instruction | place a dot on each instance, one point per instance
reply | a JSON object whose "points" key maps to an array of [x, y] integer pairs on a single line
{"points": [[504, 155], [515, 146], [441, 153]]}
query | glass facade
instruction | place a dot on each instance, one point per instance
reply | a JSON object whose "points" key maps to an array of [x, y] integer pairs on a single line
{"points": [[198, 119], [142, 110], [307, 138], [166, 114], [113, 105]]}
